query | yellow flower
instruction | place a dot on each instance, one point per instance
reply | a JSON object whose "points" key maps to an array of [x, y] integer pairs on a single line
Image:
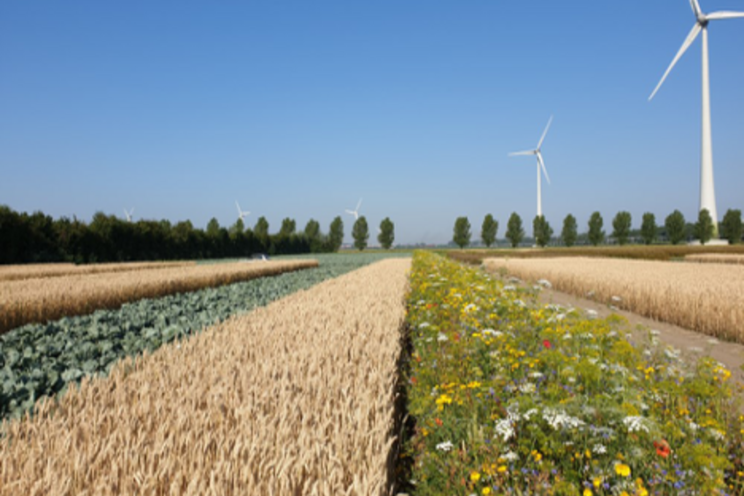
{"points": [[587, 492], [622, 469], [475, 476], [501, 469], [486, 490], [642, 491], [597, 482]]}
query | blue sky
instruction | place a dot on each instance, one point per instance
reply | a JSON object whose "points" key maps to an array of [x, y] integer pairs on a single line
{"points": [[299, 108]]}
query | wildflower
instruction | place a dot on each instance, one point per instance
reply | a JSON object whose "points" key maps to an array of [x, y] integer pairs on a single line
{"points": [[636, 424], [445, 446], [438, 421], [587, 492], [662, 448], [504, 429], [596, 482], [475, 476], [510, 456], [486, 490], [547, 344], [622, 470], [442, 338], [501, 469]]}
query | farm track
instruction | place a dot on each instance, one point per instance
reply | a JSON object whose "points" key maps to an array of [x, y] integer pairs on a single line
{"points": [[33, 271], [708, 298], [294, 398], [40, 300]]}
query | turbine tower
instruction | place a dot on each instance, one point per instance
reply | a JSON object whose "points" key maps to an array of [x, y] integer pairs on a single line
{"points": [[128, 214], [241, 215], [707, 190], [355, 212], [540, 164]]}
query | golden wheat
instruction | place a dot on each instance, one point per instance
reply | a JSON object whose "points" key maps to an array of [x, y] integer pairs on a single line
{"points": [[716, 258], [43, 299], [708, 298], [31, 271], [296, 398]]}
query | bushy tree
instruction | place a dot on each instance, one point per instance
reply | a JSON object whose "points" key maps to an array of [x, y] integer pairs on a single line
{"points": [[360, 233], [261, 229], [514, 230], [289, 226], [675, 227], [488, 230], [312, 229], [570, 231], [387, 233], [461, 234], [336, 234], [704, 227], [596, 234], [648, 228], [542, 231], [621, 227], [731, 227]]}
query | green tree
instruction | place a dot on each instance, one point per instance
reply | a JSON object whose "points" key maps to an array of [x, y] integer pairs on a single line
{"points": [[488, 230], [237, 228], [289, 226], [621, 227], [461, 232], [261, 228], [570, 231], [596, 234], [675, 227], [731, 227], [704, 228], [648, 228], [312, 229], [514, 230], [387, 233], [542, 231], [336, 234], [360, 233]]}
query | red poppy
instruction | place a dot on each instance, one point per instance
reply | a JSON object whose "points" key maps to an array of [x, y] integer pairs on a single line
{"points": [[547, 344], [662, 448], [413, 381], [439, 422]]}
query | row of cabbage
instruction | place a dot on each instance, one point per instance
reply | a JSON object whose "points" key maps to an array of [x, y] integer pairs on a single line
{"points": [[43, 359], [514, 397]]}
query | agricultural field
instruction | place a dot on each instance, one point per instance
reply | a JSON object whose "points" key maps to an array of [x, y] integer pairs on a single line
{"points": [[39, 360], [42, 299], [513, 397], [294, 398], [707, 298], [716, 258], [32, 271]]}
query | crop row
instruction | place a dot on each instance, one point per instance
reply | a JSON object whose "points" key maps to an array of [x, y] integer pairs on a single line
{"points": [[32, 271], [513, 397], [294, 398], [707, 298], [39, 360]]}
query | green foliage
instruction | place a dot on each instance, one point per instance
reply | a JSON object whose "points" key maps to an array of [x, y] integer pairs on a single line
{"points": [[542, 231], [648, 228], [676, 229], [596, 234], [336, 234], [387, 233], [514, 230], [488, 230], [312, 229], [461, 232], [261, 228], [621, 227], [704, 227], [570, 230], [731, 227], [289, 226], [360, 233]]}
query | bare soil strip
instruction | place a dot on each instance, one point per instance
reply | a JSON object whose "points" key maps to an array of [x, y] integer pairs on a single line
{"points": [[295, 398], [31, 271], [40, 300]]}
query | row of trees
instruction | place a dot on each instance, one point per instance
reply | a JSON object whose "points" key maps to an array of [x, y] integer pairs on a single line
{"points": [[675, 229], [30, 238]]}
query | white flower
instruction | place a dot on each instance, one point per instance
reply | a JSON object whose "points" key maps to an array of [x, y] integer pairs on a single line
{"points": [[559, 420], [636, 423], [510, 456], [504, 429], [654, 332], [424, 325], [527, 388], [713, 341], [529, 413], [616, 299], [520, 303], [599, 449], [445, 446], [509, 287], [536, 374], [592, 314], [717, 435], [544, 283], [491, 332], [442, 338], [470, 307]]}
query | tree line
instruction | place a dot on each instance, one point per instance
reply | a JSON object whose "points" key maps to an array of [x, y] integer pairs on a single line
{"points": [[675, 229], [37, 238]]}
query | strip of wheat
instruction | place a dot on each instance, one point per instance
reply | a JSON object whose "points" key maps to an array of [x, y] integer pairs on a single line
{"points": [[31, 271], [716, 258], [293, 399], [40, 300], [708, 298]]}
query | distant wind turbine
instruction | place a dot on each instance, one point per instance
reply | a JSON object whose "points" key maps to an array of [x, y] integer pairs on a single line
{"points": [[128, 214], [355, 212], [540, 164], [707, 190], [241, 215]]}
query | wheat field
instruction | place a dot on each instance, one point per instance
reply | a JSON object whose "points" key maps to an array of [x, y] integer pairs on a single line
{"points": [[31, 271], [707, 298], [296, 398], [716, 258], [43, 299]]}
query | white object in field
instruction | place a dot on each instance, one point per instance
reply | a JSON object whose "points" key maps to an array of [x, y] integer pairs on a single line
{"points": [[241, 215], [707, 190], [128, 214], [355, 212], [540, 164]]}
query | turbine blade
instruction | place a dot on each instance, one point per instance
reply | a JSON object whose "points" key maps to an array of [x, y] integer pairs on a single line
{"points": [[236, 204], [716, 16], [531, 152], [545, 132], [349, 212], [358, 205], [695, 7], [542, 164], [690, 38]]}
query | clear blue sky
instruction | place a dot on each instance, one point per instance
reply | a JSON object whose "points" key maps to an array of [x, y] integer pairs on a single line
{"points": [[298, 108]]}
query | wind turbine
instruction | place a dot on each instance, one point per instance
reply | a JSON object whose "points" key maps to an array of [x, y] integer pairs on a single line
{"points": [[355, 212], [241, 215], [129, 214], [540, 164], [707, 191]]}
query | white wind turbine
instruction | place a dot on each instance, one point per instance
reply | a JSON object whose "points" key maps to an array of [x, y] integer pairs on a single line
{"points": [[707, 191], [540, 164], [355, 212], [241, 215], [128, 214]]}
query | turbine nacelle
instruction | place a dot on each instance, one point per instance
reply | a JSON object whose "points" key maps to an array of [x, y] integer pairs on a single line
{"points": [[241, 214]]}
